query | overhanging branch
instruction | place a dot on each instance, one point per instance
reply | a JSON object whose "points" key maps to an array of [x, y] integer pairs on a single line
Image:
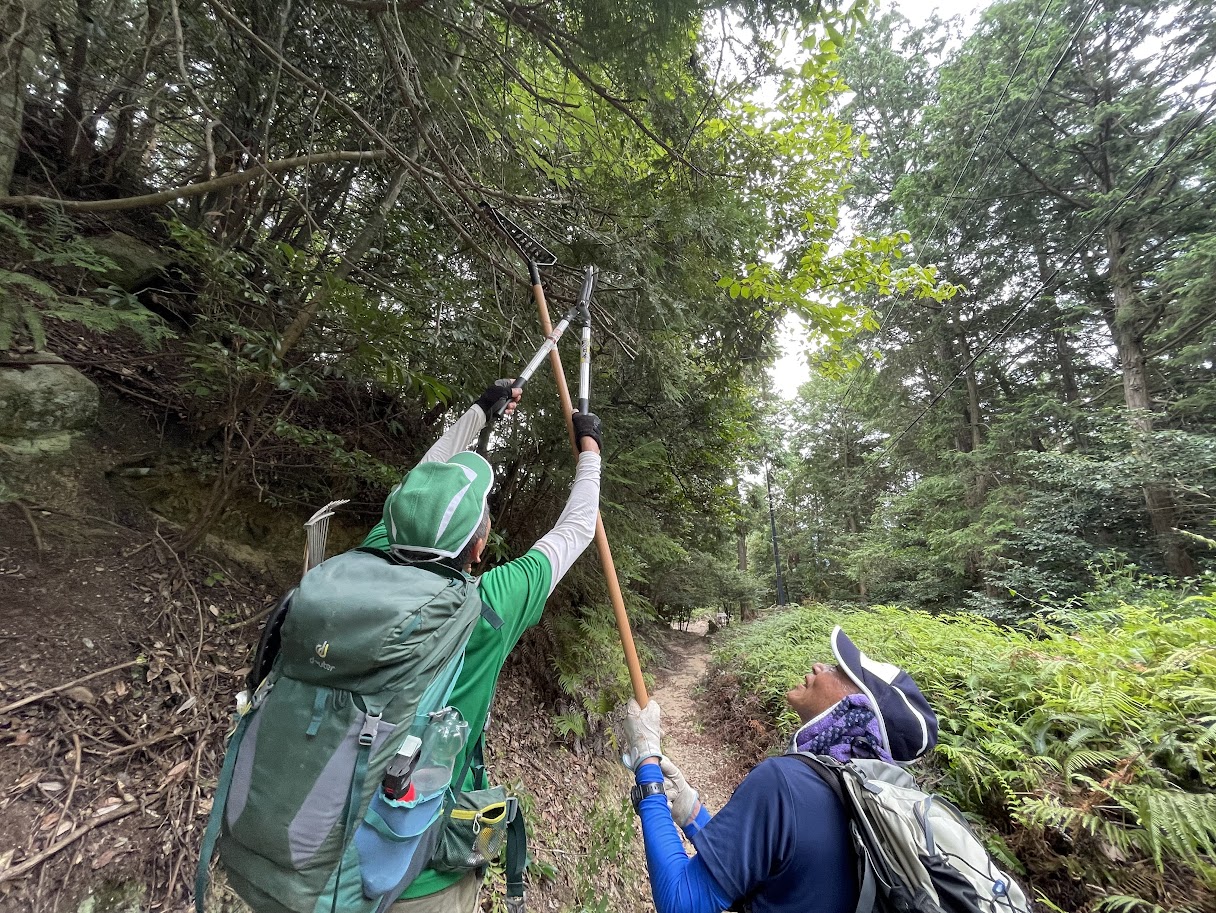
{"points": [[193, 190]]}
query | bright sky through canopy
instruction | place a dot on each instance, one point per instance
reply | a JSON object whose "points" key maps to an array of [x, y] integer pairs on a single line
{"points": [[790, 370]]}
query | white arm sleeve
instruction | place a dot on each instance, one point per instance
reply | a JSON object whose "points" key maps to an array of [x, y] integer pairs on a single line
{"points": [[458, 437], [575, 528]]}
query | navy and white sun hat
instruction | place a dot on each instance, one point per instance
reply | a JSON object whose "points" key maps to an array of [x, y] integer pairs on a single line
{"points": [[437, 507], [908, 723]]}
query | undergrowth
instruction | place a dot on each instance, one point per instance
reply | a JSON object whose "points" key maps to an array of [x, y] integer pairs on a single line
{"points": [[38, 266], [1085, 742], [587, 663]]}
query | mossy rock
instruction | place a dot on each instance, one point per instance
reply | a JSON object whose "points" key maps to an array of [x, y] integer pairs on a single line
{"points": [[42, 405], [135, 263]]}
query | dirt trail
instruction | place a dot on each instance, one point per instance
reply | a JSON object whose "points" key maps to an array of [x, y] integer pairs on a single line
{"points": [[708, 764]]}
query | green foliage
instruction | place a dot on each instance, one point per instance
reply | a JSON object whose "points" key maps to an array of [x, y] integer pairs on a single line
{"points": [[610, 852], [699, 581], [989, 451], [589, 666], [39, 263], [337, 458], [1096, 726], [570, 724]]}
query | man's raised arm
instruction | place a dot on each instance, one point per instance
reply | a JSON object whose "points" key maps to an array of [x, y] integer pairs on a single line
{"points": [[575, 528], [462, 434]]}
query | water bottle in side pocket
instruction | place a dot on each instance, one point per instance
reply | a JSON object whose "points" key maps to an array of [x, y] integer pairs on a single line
{"points": [[442, 743]]}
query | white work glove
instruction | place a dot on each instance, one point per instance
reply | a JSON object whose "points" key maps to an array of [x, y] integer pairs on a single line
{"points": [[642, 731], [683, 798]]}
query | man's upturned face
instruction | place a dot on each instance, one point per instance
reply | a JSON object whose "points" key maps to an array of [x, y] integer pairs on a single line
{"points": [[823, 686]]}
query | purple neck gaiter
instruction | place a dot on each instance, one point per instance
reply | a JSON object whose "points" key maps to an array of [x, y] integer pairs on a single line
{"points": [[846, 730]]}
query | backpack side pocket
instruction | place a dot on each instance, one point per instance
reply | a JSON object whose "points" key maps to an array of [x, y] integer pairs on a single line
{"points": [[395, 842]]}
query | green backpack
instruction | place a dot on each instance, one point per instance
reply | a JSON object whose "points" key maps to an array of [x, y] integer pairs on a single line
{"points": [[370, 649]]}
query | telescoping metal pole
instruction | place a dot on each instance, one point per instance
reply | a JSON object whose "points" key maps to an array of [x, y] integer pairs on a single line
{"points": [[525, 375], [584, 352]]}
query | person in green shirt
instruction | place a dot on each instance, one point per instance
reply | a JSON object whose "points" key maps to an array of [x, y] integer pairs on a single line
{"points": [[439, 512]]}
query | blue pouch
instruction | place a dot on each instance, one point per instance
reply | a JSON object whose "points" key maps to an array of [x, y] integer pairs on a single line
{"points": [[395, 842]]}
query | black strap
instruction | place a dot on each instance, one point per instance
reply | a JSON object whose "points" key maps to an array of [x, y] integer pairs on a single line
{"points": [[517, 854], [830, 771], [270, 643], [480, 781], [476, 756]]}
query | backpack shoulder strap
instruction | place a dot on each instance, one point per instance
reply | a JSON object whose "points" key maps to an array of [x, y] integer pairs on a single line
{"points": [[218, 801], [832, 772], [270, 642]]}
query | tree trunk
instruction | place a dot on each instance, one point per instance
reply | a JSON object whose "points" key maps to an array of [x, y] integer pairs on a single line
{"points": [[977, 485], [745, 605], [1063, 351], [72, 135], [1129, 341], [974, 417], [233, 470], [19, 28]]}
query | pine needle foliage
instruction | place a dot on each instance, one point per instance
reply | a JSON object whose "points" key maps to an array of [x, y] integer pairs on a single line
{"points": [[1087, 743]]}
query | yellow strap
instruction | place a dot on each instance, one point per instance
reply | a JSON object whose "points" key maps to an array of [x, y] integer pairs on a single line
{"points": [[491, 813]]}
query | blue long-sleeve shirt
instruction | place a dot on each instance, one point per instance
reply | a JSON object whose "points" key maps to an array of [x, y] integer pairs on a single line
{"points": [[781, 843], [677, 883]]}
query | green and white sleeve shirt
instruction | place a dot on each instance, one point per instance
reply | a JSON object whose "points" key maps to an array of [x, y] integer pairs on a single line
{"points": [[516, 591]]}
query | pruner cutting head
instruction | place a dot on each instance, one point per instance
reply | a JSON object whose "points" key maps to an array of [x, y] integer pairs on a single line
{"points": [[526, 245], [584, 296]]}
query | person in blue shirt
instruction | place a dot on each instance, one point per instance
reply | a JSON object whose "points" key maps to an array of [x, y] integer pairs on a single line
{"points": [[781, 844]]}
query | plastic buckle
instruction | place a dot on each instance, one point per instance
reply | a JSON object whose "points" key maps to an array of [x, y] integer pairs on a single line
{"points": [[260, 693], [371, 723], [512, 809], [515, 904]]}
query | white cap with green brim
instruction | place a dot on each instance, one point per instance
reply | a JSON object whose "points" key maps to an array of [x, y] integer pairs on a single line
{"points": [[437, 507]]}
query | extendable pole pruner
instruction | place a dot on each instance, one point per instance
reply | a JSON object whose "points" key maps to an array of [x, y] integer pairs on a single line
{"points": [[584, 351], [525, 375], [536, 256]]}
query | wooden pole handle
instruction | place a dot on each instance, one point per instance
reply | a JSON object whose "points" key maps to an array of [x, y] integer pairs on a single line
{"points": [[601, 537]]}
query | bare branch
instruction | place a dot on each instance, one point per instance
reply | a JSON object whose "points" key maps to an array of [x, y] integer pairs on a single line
{"points": [[192, 190], [1050, 188]]}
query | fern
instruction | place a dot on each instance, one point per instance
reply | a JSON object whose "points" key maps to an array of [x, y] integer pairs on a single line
{"points": [[570, 724], [58, 252], [1122, 903], [1098, 726]]}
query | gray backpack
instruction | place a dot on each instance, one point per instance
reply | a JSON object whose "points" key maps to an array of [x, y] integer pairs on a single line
{"points": [[916, 853]]}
